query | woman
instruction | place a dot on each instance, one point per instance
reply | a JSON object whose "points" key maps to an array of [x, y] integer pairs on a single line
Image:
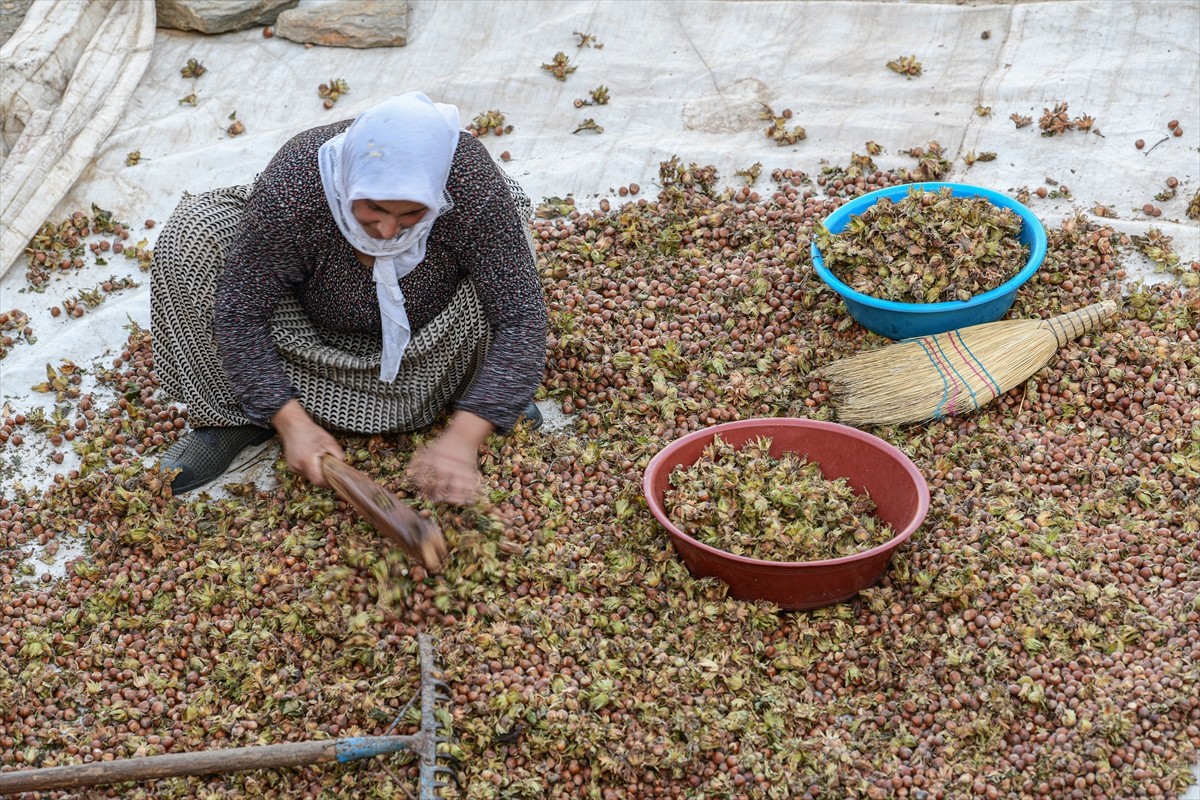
{"points": [[377, 272]]}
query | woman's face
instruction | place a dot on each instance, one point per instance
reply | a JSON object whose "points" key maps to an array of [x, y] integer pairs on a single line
{"points": [[384, 219]]}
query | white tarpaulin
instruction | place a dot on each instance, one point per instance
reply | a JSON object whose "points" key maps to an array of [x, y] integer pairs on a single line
{"points": [[68, 73]]}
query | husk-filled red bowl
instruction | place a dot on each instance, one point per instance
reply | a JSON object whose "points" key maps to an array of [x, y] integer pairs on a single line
{"points": [[868, 463]]}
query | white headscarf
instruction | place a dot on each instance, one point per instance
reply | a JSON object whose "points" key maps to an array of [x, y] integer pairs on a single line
{"points": [[400, 149]]}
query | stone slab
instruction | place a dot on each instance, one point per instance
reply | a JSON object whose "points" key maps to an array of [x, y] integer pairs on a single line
{"points": [[218, 16], [347, 23]]}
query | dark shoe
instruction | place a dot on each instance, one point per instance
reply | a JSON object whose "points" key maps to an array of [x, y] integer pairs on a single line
{"points": [[204, 454], [532, 414]]}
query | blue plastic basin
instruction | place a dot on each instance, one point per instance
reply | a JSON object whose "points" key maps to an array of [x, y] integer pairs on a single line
{"points": [[907, 320]]}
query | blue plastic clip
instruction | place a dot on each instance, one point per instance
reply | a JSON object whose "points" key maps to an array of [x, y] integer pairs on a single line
{"points": [[355, 747]]}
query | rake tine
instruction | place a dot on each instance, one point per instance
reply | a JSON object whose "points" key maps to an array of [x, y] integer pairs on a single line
{"points": [[444, 771], [400, 716], [398, 783]]}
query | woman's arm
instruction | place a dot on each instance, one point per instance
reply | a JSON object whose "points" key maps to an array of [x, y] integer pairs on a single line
{"points": [[498, 256], [304, 442], [447, 469], [260, 268], [277, 242]]}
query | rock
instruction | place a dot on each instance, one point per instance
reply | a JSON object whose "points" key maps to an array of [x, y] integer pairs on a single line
{"points": [[218, 16], [347, 23]]}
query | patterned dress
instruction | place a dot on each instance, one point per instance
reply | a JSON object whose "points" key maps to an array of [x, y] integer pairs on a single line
{"points": [[257, 299]]}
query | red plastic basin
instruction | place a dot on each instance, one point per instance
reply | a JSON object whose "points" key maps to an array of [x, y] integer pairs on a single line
{"points": [[868, 463]]}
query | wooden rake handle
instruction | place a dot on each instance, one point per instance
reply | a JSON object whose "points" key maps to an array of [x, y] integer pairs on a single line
{"points": [[419, 537], [1066, 327], [204, 762]]}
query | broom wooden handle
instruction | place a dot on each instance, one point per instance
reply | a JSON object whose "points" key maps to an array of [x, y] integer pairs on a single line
{"points": [[418, 536], [1067, 327]]}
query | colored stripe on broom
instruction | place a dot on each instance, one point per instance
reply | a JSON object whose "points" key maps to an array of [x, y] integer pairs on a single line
{"points": [[937, 411], [945, 367], [960, 382], [956, 339]]}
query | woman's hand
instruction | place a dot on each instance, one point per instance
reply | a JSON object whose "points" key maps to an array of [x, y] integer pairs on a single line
{"points": [[447, 469], [304, 442]]}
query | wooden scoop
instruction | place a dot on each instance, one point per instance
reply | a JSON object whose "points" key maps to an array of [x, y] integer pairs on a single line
{"points": [[419, 537]]}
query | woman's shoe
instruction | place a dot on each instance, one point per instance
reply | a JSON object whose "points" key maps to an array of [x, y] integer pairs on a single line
{"points": [[533, 415], [204, 454]]}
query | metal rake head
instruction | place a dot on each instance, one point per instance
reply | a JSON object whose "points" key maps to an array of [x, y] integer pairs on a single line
{"points": [[433, 753]]}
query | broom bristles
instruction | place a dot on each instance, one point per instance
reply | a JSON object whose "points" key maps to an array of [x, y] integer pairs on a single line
{"points": [[950, 373]]}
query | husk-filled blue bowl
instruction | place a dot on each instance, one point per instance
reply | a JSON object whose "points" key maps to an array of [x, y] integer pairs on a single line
{"points": [[907, 320]]}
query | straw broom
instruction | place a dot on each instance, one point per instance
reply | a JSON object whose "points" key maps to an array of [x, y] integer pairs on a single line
{"points": [[951, 373]]}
